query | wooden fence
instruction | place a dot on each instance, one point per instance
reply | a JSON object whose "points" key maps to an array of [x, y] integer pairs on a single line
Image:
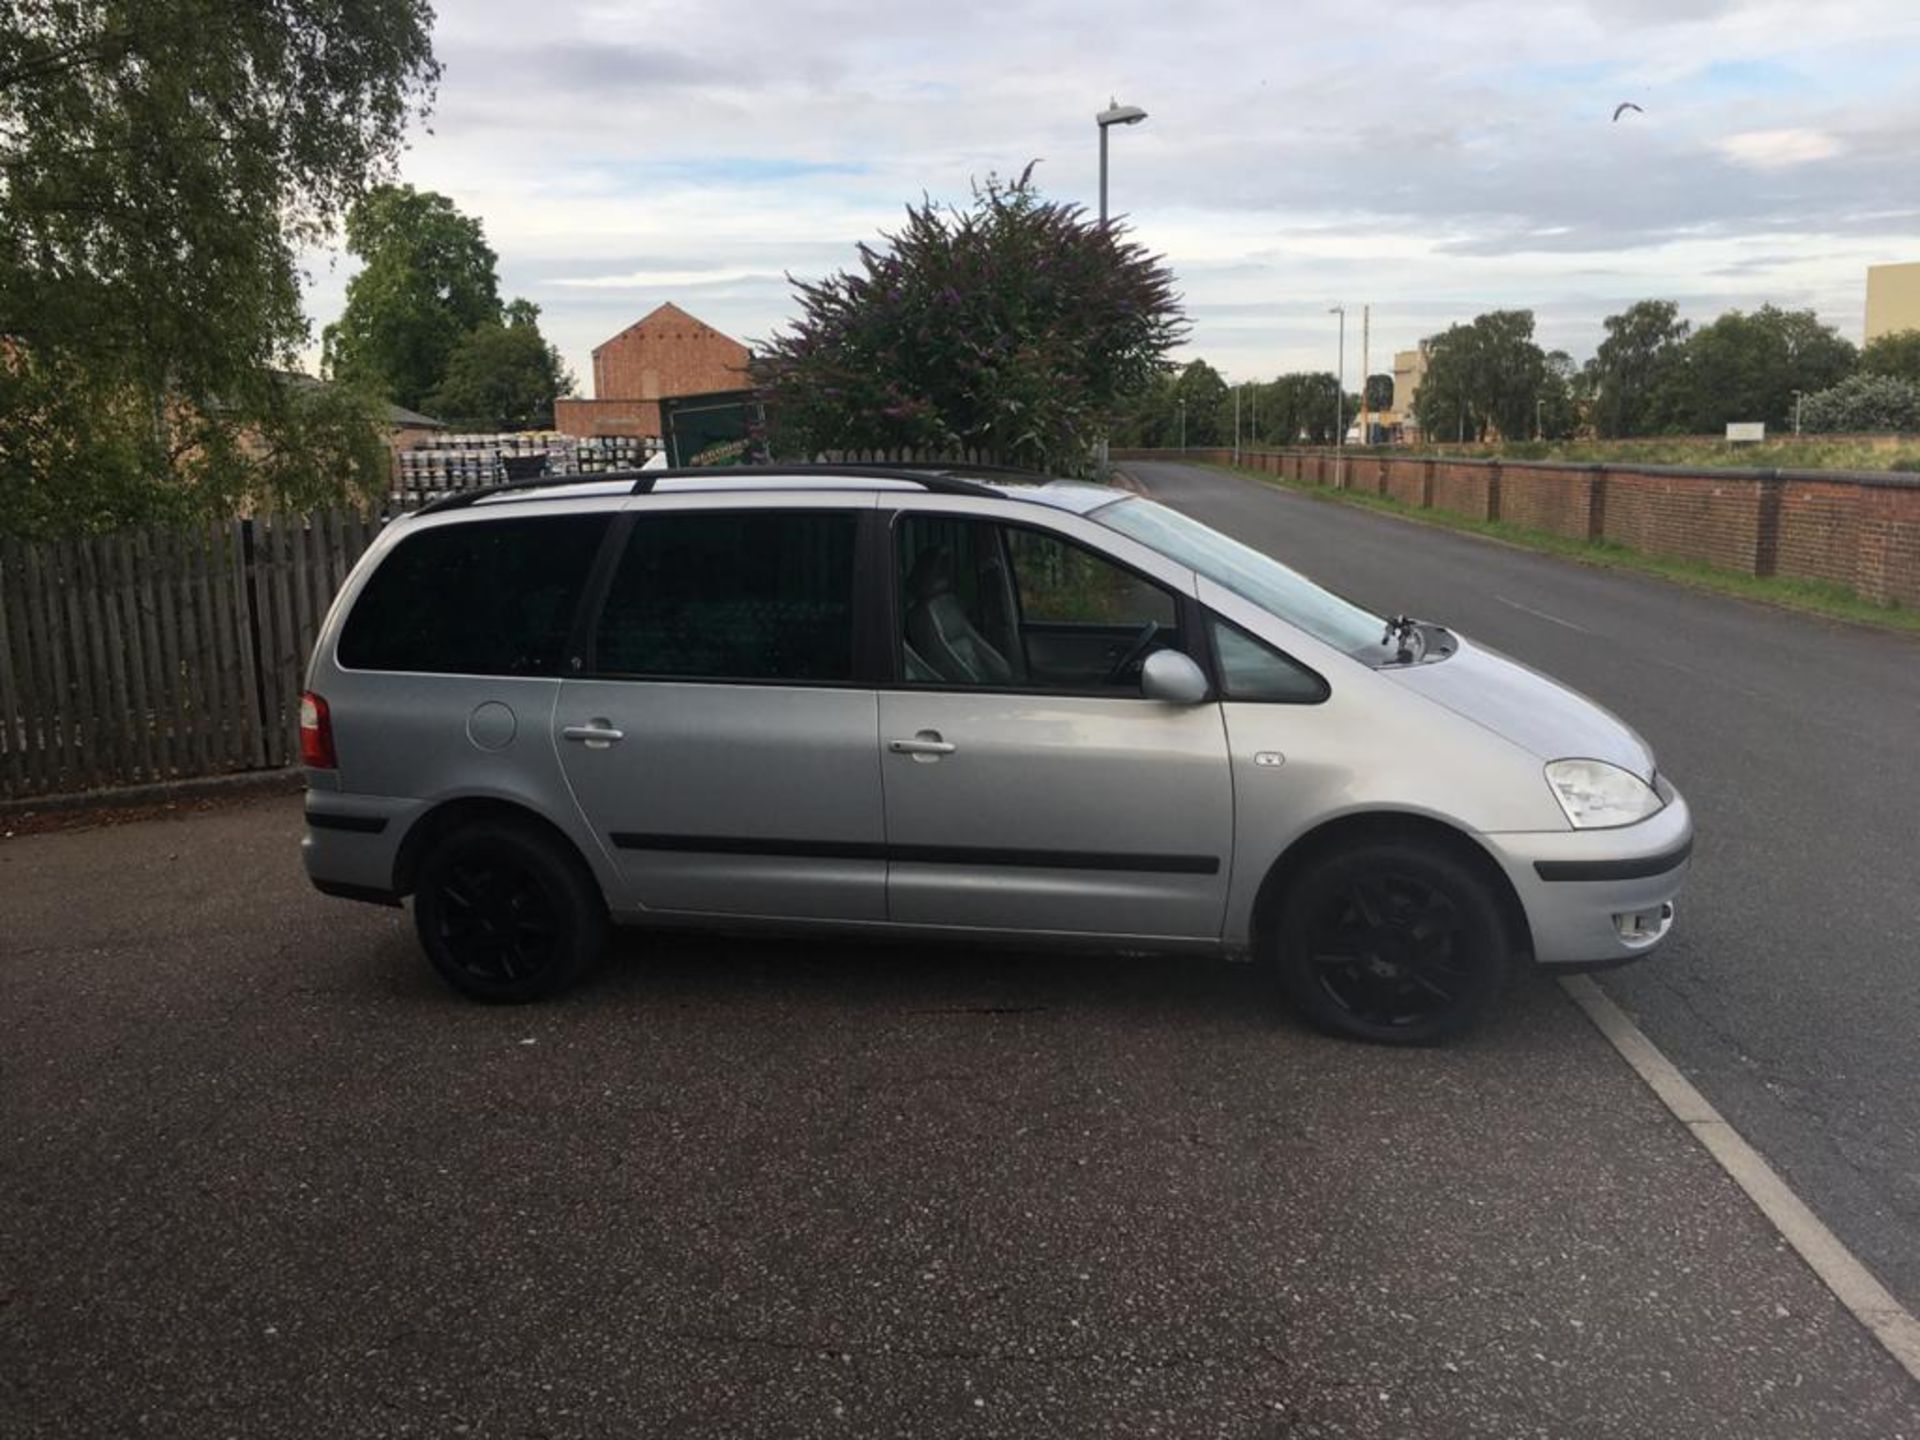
{"points": [[157, 655]]}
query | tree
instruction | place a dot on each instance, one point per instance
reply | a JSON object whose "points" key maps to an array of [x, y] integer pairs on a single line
{"points": [[161, 162], [1192, 396], [1631, 376], [1558, 404], [1300, 408], [1896, 354], [1017, 327], [1483, 378], [502, 377], [428, 280], [1380, 392], [1746, 367], [1864, 403]]}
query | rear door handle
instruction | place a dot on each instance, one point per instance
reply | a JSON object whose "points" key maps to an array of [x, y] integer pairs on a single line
{"points": [[595, 734], [927, 742]]}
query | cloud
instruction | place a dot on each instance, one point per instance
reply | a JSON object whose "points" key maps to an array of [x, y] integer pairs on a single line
{"points": [[661, 279], [1779, 149], [1458, 159]]}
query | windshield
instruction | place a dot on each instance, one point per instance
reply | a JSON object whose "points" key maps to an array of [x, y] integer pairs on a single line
{"points": [[1251, 575]]}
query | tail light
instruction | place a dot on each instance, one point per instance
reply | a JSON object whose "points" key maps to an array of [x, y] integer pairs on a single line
{"points": [[316, 734]]}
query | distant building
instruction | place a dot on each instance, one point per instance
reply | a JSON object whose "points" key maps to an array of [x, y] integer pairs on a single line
{"points": [[1409, 370], [407, 428], [665, 355], [1893, 299]]}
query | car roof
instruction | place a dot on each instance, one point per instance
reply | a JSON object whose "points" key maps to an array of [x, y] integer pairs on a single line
{"points": [[991, 482]]}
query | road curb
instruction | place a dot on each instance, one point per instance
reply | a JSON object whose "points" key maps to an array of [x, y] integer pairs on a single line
{"points": [[171, 792]]}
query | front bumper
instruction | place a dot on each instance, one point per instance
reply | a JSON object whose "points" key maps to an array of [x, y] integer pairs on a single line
{"points": [[1596, 897]]}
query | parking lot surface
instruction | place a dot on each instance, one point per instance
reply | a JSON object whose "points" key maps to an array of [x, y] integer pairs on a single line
{"points": [[1788, 991], [261, 1175]]}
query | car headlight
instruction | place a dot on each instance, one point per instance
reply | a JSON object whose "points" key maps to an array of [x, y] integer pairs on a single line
{"points": [[1597, 795]]}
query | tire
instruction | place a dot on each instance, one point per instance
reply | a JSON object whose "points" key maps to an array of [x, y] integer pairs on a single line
{"points": [[1393, 942], [507, 914]]}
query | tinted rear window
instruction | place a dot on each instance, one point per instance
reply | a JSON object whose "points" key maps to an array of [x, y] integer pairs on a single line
{"points": [[492, 597], [733, 595]]}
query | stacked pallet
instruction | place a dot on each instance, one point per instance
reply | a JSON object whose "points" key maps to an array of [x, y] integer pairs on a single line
{"points": [[448, 464], [602, 453]]}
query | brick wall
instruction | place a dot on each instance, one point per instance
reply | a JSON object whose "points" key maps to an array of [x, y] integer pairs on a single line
{"points": [[1819, 535], [1710, 518], [1558, 501], [1861, 531], [668, 353], [1464, 489], [1889, 564], [1407, 481], [607, 417]]}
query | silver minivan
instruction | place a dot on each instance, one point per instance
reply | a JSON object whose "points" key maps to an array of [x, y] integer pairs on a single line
{"points": [[917, 703]]}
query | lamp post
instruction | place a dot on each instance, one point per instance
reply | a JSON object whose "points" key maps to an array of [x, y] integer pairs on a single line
{"points": [[1181, 406], [1340, 401], [1114, 114], [1796, 410], [1539, 429]]}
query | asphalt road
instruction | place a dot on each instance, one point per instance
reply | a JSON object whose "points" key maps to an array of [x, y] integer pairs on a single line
{"points": [[1790, 991], [261, 1176]]}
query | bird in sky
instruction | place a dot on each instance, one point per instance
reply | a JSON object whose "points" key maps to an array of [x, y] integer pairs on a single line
{"points": [[1623, 107]]}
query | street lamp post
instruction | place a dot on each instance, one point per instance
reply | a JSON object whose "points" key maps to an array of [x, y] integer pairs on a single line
{"points": [[1539, 429], [1181, 406], [1114, 114], [1796, 410], [1340, 401]]}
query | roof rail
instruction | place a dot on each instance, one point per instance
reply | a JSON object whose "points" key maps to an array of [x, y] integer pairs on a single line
{"points": [[459, 500], [971, 467], [932, 476]]}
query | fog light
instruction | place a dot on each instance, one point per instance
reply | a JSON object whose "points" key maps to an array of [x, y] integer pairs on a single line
{"points": [[1642, 927]]}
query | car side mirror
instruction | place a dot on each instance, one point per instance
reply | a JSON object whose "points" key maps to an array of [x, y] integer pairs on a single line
{"points": [[1173, 677]]}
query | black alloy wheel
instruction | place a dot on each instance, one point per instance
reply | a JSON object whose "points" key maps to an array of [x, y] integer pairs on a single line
{"points": [[506, 914], [1394, 942]]}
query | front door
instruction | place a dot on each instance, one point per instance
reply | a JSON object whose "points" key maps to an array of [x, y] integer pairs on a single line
{"points": [[722, 751], [1028, 783]]}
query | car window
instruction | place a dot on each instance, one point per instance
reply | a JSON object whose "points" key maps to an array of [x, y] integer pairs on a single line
{"points": [[733, 595], [1253, 576], [493, 597], [1251, 669], [1004, 606], [1061, 583]]}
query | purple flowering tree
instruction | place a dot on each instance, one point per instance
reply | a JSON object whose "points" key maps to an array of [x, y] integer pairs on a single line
{"points": [[1011, 330]]}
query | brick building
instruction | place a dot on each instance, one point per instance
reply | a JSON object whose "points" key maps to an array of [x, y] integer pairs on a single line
{"points": [[666, 354]]}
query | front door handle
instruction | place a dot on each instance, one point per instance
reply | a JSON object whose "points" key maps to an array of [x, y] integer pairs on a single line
{"points": [[927, 743], [595, 734]]}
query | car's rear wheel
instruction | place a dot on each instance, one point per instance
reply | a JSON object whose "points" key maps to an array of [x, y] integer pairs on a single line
{"points": [[507, 914], [1392, 941]]}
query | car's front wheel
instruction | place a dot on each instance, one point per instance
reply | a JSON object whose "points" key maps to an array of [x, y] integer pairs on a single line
{"points": [[507, 914], [1392, 941]]}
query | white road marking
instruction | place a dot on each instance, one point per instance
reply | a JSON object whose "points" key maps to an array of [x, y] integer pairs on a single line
{"points": [[1870, 1302], [1543, 615]]}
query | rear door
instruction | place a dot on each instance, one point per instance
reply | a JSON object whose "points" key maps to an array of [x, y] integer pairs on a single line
{"points": [[1029, 785], [721, 747]]}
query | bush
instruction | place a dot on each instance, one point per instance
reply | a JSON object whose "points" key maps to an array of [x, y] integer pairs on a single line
{"points": [[1863, 403], [1013, 329]]}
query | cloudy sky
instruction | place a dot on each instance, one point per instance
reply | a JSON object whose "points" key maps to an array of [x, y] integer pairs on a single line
{"points": [[1430, 159]]}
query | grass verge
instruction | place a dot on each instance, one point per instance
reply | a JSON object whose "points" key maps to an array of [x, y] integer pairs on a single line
{"points": [[1813, 597], [1780, 453]]}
